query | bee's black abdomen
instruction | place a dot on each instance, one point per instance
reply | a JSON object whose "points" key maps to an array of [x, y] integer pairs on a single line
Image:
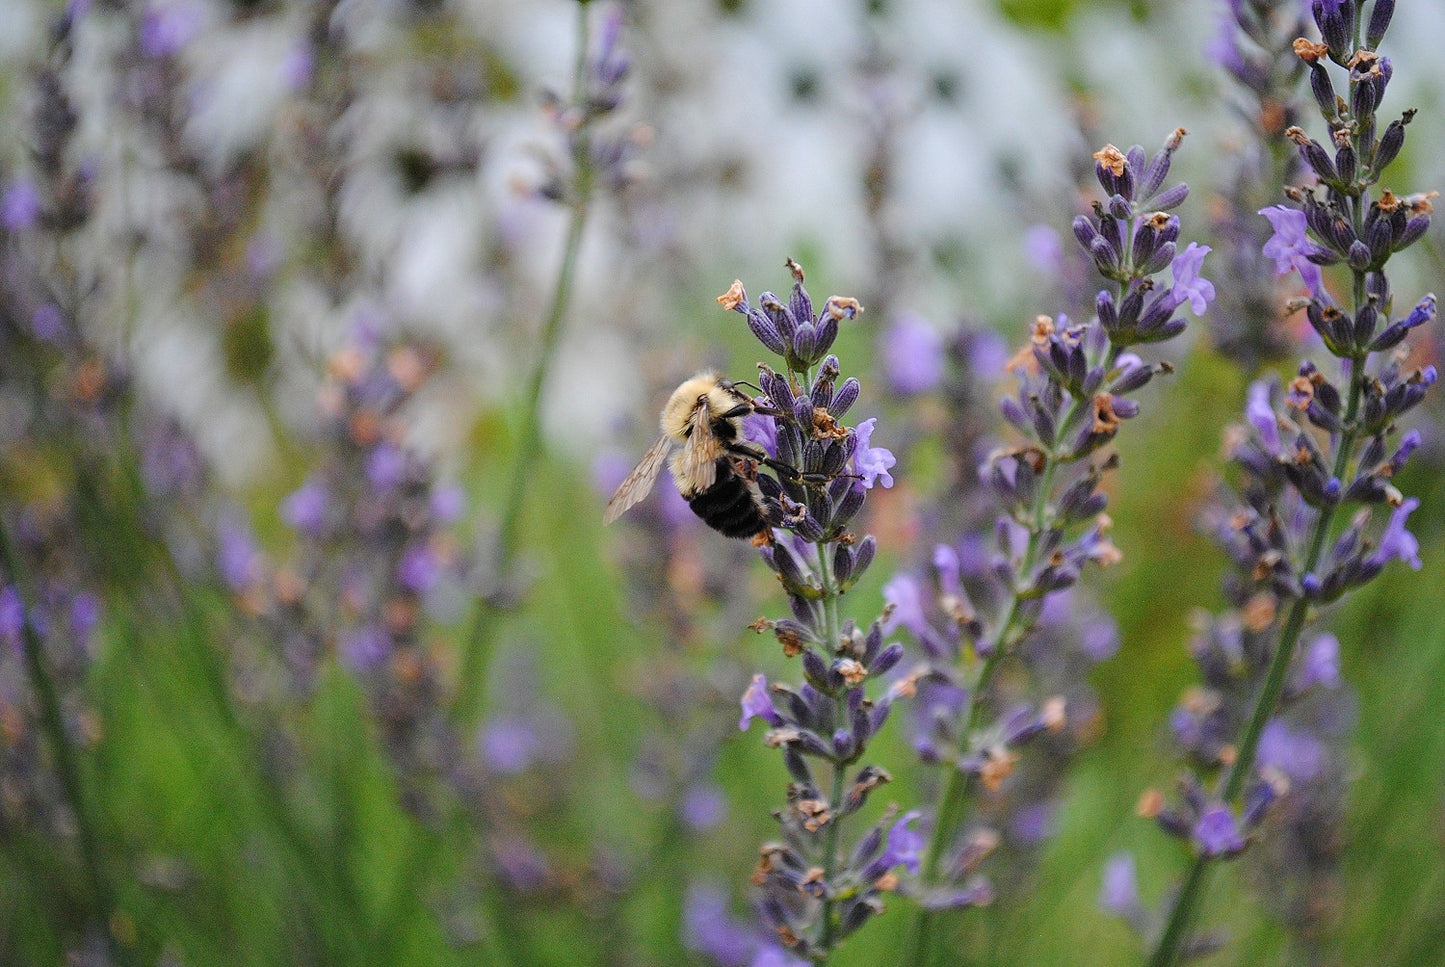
{"points": [[730, 506]]}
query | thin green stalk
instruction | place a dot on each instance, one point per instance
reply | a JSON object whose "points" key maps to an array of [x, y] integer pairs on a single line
{"points": [[1180, 923], [840, 771], [529, 435], [955, 797], [52, 720], [476, 655]]}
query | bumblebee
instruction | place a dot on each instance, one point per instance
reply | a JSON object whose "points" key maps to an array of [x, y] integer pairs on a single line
{"points": [[715, 469]]}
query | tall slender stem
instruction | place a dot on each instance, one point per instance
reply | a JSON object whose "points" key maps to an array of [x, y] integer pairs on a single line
{"points": [[840, 771], [955, 797], [528, 444], [1180, 923], [476, 655], [53, 722]]}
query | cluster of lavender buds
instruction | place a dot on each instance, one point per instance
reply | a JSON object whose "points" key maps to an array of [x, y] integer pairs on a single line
{"points": [[815, 887], [374, 559], [607, 156], [1075, 387], [1255, 49], [1315, 462]]}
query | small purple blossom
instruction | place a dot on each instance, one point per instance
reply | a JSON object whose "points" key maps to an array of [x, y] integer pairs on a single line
{"points": [[167, 28], [304, 509], [709, 929], [1260, 414], [12, 615], [872, 463], [758, 704], [509, 745], [385, 466], [904, 845], [703, 806], [1290, 246], [1397, 543], [1044, 249], [419, 570], [20, 206], [1216, 832], [237, 558], [1119, 894], [1189, 286], [365, 649], [912, 355], [1321, 664], [762, 430], [1293, 751], [48, 323], [904, 592]]}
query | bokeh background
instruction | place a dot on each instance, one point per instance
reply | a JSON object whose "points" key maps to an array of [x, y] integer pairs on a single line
{"points": [[268, 263]]}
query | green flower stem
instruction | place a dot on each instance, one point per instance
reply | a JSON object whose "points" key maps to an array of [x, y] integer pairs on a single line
{"points": [[1180, 923], [52, 721], [529, 436], [840, 771], [951, 808], [477, 650]]}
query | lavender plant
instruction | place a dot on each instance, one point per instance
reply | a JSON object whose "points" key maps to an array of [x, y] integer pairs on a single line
{"points": [[1254, 48], [815, 887], [1075, 382], [1253, 730]]}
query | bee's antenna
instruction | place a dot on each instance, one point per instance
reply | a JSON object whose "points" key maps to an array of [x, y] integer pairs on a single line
{"points": [[743, 382]]}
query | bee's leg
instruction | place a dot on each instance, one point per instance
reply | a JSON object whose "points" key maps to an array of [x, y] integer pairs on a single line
{"points": [[751, 451], [742, 409]]}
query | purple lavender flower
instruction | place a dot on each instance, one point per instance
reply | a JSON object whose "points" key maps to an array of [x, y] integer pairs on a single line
{"points": [[166, 28], [1044, 249], [709, 929], [1216, 833], [1189, 286], [703, 806], [912, 355], [758, 704], [304, 509], [1119, 894], [12, 616], [509, 745], [1321, 665], [904, 844], [238, 558], [872, 463], [20, 206], [1294, 752], [1291, 248], [1397, 543], [386, 466]]}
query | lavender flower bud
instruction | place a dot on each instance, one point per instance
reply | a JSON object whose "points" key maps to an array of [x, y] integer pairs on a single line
{"points": [[1380, 16], [844, 398], [1392, 141]]}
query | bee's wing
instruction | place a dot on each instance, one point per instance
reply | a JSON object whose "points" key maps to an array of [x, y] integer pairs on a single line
{"points": [[639, 482], [699, 455]]}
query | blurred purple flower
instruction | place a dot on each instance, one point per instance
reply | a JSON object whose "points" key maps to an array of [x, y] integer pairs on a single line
{"points": [[448, 503], [12, 616], [1295, 752], [1119, 894], [1321, 664], [84, 616], [1044, 249], [385, 466], [237, 557], [509, 744], [165, 29], [48, 323], [703, 806], [710, 930], [304, 509], [904, 592], [904, 845], [1260, 414], [912, 355], [1216, 833], [19, 206], [419, 570], [365, 649]]}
